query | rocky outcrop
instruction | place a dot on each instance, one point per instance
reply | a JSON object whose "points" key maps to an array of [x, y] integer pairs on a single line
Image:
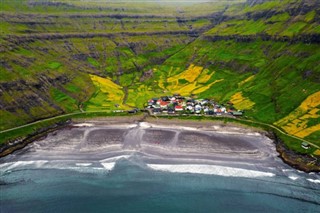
{"points": [[17, 39], [21, 142], [146, 75], [32, 100], [301, 162], [305, 38]]}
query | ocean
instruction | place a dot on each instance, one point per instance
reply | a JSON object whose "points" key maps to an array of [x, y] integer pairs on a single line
{"points": [[48, 177], [130, 186]]}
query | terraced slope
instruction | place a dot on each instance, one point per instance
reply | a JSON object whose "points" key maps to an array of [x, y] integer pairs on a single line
{"points": [[67, 56]]}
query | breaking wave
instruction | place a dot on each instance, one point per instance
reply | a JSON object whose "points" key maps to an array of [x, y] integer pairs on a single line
{"points": [[210, 170], [19, 164], [313, 180]]}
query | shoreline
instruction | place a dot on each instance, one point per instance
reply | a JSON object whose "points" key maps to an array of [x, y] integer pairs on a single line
{"points": [[288, 156]]}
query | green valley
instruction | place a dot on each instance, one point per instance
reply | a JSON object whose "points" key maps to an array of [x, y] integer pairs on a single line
{"points": [[60, 57]]}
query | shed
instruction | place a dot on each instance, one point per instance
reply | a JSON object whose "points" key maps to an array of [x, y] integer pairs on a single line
{"points": [[237, 113], [305, 145]]}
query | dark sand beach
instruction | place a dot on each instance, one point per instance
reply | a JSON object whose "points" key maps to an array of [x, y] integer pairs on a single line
{"points": [[157, 141]]}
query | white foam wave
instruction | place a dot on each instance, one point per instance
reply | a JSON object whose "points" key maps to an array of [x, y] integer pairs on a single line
{"points": [[81, 169], [314, 180], [113, 159], [253, 134], [174, 127], [97, 168], [145, 124], [130, 125], [108, 166], [13, 165], [293, 177], [288, 170], [84, 124], [83, 164], [232, 133], [210, 170]]}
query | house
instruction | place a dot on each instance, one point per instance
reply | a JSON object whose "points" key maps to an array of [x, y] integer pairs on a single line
{"points": [[178, 108], [156, 111], [204, 102], [171, 111], [176, 103], [156, 106], [190, 107], [163, 104], [198, 108], [210, 112], [305, 145], [151, 102], [190, 102], [133, 111], [206, 110]]}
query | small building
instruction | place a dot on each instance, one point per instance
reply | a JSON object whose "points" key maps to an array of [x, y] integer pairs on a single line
{"points": [[237, 113], [163, 104], [198, 108], [171, 111], [178, 108], [305, 145], [189, 107], [206, 110], [156, 106], [151, 102], [156, 111], [133, 111]]}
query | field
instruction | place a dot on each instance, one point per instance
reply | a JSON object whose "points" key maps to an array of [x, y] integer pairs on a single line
{"points": [[304, 120]]}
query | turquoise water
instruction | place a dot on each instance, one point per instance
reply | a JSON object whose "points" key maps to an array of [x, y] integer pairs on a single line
{"points": [[133, 187]]}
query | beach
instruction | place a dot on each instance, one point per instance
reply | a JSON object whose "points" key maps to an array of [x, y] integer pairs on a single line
{"points": [[157, 142], [106, 146]]}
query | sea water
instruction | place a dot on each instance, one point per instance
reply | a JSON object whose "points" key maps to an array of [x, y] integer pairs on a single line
{"points": [[127, 184]]}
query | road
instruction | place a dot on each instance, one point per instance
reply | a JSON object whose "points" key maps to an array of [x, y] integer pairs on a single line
{"points": [[282, 132], [52, 118]]}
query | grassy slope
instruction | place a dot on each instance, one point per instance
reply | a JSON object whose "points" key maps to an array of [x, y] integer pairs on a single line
{"points": [[43, 77], [270, 79]]}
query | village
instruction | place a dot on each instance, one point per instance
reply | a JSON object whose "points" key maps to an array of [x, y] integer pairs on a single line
{"points": [[180, 105]]}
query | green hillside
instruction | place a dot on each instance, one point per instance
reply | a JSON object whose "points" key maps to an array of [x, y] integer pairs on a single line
{"points": [[66, 56]]}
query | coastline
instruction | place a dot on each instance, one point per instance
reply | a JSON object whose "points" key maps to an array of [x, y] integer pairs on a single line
{"points": [[19, 143], [297, 161]]}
